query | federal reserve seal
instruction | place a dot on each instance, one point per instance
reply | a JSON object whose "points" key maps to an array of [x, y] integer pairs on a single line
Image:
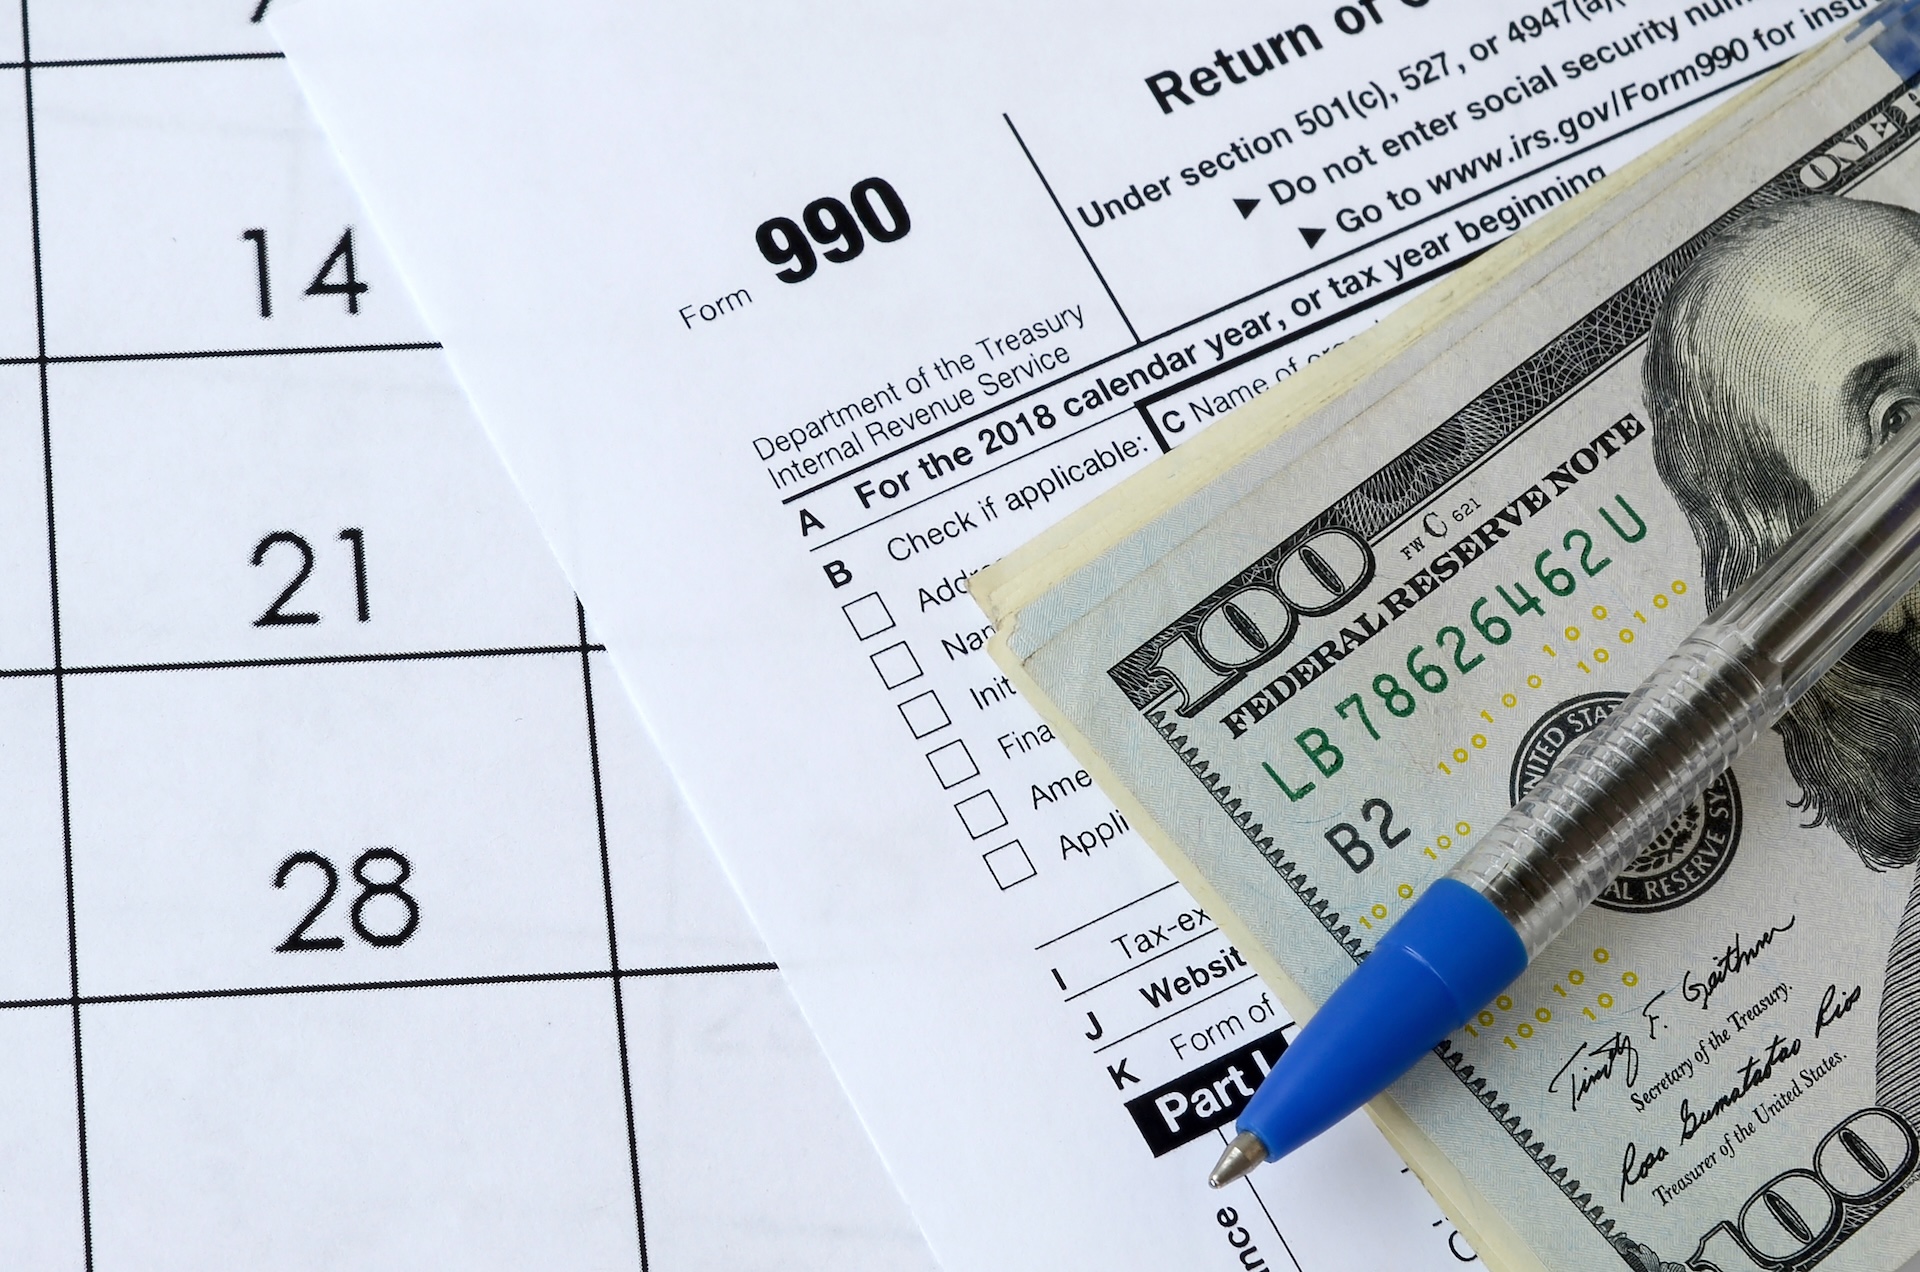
{"points": [[1685, 860]]}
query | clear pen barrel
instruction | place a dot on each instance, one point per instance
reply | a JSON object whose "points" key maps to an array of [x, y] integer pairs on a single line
{"points": [[1626, 781]]}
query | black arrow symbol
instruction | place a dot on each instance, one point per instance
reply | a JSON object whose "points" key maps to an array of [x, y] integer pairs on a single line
{"points": [[1246, 207], [1311, 234]]}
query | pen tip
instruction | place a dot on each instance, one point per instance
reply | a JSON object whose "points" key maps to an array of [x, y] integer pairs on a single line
{"points": [[1241, 1156]]}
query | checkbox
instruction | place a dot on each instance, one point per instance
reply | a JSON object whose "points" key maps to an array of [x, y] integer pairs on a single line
{"points": [[1010, 864], [896, 665], [980, 814], [953, 763], [869, 615], [924, 714]]}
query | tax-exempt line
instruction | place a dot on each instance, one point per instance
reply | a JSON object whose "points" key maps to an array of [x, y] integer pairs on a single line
{"points": [[1109, 914], [1131, 968]]}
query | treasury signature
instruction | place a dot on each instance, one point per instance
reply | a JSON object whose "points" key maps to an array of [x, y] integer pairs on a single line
{"points": [[1593, 1065], [1634, 1168], [1752, 1073], [1730, 962], [1832, 1007]]}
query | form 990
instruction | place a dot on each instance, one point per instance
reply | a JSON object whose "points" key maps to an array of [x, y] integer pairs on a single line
{"points": [[876, 209]]}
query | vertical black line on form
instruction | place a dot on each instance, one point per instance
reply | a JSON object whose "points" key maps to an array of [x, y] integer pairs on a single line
{"points": [[613, 939], [1284, 1244], [59, 663], [1065, 220]]}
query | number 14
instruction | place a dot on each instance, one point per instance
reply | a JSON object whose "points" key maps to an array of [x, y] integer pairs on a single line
{"points": [[340, 260]]}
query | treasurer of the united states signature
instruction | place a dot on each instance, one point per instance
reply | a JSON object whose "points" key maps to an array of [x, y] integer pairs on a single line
{"points": [[1593, 1064]]}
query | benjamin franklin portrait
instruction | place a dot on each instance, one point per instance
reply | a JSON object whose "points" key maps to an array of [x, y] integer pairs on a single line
{"points": [[1786, 352]]}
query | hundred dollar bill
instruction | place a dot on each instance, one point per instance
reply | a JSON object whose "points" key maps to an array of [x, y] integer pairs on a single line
{"points": [[1314, 651]]}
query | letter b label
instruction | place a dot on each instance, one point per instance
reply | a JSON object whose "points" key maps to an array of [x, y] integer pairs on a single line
{"points": [[1319, 748]]}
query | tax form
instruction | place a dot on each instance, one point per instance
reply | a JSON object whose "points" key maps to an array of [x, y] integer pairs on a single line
{"points": [[788, 320], [348, 918]]}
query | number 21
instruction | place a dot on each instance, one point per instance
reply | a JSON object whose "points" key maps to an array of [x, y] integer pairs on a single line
{"points": [[277, 614]]}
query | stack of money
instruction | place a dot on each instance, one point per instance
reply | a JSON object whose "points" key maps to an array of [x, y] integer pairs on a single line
{"points": [[1315, 650]]}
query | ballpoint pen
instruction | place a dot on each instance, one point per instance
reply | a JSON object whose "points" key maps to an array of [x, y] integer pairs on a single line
{"points": [[1477, 927]]}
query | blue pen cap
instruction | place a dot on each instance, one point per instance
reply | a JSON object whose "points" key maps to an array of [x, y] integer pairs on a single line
{"points": [[1446, 958]]}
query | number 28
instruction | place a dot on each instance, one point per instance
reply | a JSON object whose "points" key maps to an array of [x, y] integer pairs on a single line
{"points": [[371, 890]]}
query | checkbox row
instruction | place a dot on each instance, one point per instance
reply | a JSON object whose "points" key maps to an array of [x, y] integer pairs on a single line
{"points": [[1009, 864], [981, 814], [869, 616], [897, 665], [953, 763], [924, 714]]}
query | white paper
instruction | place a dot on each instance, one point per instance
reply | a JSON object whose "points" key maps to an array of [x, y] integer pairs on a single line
{"points": [[587, 201], [444, 1090]]}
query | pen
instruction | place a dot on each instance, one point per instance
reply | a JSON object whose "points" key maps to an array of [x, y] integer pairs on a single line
{"points": [[1477, 927]]}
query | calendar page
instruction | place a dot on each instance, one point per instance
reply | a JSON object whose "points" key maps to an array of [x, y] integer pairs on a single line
{"points": [[347, 916]]}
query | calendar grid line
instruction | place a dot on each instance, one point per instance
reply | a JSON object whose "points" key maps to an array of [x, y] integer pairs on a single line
{"points": [[169, 59], [187, 355], [302, 660], [423, 982], [613, 935], [67, 63], [59, 681]]}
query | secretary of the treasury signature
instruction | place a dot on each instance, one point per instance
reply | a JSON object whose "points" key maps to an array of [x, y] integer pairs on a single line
{"points": [[1736, 958]]}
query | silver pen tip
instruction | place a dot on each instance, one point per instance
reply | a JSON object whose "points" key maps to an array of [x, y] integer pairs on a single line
{"points": [[1241, 1156]]}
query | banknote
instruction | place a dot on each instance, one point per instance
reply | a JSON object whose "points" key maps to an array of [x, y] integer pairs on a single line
{"points": [[1311, 664]]}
